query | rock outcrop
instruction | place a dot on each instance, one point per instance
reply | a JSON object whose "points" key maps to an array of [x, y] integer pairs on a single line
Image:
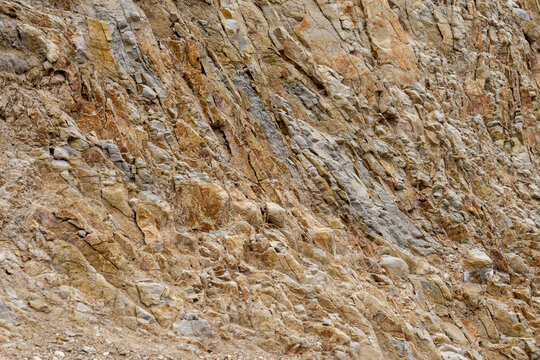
{"points": [[315, 179]]}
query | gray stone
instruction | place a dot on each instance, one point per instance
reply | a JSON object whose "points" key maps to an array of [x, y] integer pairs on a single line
{"points": [[60, 153], [260, 114], [308, 97], [144, 316], [148, 93], [88, 349], [12, 295], [83, 308], [12, 62], [193, 327], [131, 12], [150, 292], [114, 152], [355, 347], [7, 315], [522, 14]]}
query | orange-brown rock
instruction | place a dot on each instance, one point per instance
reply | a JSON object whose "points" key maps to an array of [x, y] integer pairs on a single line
{"points": [[269, 179]]}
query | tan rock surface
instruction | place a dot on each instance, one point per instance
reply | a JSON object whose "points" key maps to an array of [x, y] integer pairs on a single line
{"points": [[275, 179]]}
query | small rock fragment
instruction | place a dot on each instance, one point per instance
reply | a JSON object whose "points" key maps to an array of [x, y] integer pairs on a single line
{"points": [[476, 258], [150, 292], [394, 266], [478, 266], [518, 264], [275, 214], [60, 153], [148, 93]]}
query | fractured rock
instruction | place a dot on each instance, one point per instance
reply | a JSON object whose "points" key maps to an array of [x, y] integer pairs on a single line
{"points": [[140, 142], [517, 264], [394, 266], [478, 266], [150, 292], [192, 326], [275, 214], [250, 211], [117, 196]]}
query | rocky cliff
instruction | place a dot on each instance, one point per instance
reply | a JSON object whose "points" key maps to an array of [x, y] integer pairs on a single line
{"points": [[313, 179]]}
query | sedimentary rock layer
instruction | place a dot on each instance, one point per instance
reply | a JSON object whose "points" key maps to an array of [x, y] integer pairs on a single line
{"points": [[314, 179]]}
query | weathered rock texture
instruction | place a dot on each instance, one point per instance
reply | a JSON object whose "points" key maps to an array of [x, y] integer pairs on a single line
{"points": [[311, 178]]}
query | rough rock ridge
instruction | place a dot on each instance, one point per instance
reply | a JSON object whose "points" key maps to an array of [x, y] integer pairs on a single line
{"points": [[311, 179]]}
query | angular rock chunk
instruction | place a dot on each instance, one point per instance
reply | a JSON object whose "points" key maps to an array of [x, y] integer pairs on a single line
{"points": [[394, 266], [478, 266], [250, 211], [150, 292], [192, 326], [275, 214], [117, 196], [518, 264]]}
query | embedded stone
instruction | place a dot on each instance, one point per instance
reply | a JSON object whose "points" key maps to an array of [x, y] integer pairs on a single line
{"points": [[117, 196], [394, 266], [275, 214]]}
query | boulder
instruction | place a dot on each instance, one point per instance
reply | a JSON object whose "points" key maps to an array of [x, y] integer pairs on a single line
{"points": [[190, 325], [394, 266], [275, 214]]}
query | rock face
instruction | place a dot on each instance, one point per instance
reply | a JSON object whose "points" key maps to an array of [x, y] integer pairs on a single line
{"points": [[315, 179]]}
